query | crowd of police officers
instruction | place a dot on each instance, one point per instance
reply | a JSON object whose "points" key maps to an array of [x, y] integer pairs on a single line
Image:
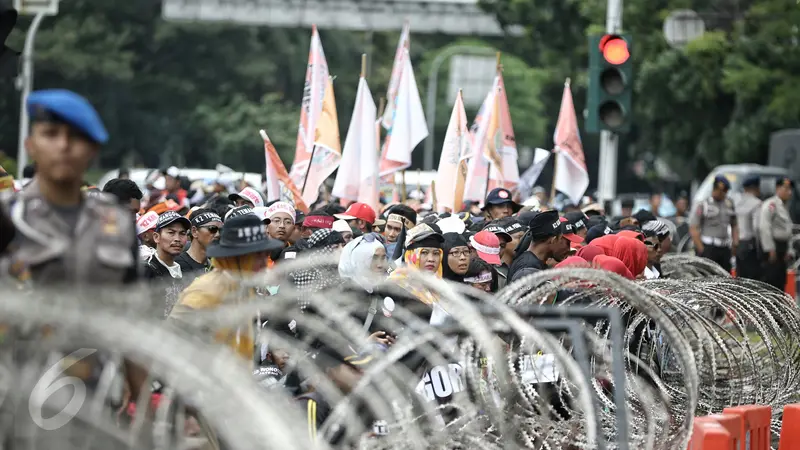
{"points": [[757, 233], [59, 235]]}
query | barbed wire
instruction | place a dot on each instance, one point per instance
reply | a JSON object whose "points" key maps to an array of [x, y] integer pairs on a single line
{"points": [[690, 344]]}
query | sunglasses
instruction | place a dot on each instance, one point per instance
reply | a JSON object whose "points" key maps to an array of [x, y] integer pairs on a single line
{"points": [[655, 245], [213, 229]]}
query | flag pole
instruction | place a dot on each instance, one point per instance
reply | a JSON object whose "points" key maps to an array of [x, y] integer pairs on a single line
{"points": [[363, 65], [555, 160], [403, 193], [381, 106], [434, 201]]}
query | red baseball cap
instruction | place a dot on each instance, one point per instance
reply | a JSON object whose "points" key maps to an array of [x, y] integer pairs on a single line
{"points": [[487, 244], [358, 211], [568, 231]]}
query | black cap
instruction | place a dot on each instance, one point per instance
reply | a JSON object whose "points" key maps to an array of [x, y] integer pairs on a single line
{"points": [[785, 181], [627, 203], [243, 235], [595, 232], [500, 196], [169, 217], [408, 215], [577, 219], [498, 229], [644, 216], [545, 224]]}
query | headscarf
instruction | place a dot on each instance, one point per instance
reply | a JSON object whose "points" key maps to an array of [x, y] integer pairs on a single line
{"points": [[612, 264], [632, 252], [451, 240], [573, 261], [322, 272], [590, 252], [606, 243], [356, 261]]}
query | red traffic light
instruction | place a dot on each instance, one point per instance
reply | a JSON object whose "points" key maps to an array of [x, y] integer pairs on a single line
{"points": [[615, 49]]}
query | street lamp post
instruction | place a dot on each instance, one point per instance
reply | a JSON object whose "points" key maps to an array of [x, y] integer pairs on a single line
{"points": [[25, 84], [433, 83]]}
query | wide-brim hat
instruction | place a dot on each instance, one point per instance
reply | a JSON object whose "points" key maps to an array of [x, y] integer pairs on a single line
{"points": [[243, 235]]}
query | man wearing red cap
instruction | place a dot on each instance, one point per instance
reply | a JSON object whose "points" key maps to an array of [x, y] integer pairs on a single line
{"points": [[487, 245], [359, 215]]}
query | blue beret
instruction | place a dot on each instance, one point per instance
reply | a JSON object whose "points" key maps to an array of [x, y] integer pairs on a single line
{"points": [[72, 109], [724, 181], [752, 180]]}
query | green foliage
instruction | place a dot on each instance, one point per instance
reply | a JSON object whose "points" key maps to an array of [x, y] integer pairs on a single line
{"points": [[197, 93], [714, 101]]}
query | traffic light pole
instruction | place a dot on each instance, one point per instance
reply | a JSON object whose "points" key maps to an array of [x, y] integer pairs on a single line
{"points": [[607, 177], [25, 84]]}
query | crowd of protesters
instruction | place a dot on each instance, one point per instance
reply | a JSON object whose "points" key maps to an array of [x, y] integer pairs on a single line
{"points": [[196, 247]]}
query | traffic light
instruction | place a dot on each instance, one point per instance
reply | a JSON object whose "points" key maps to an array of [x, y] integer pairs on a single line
{"points": [[610, 84]]}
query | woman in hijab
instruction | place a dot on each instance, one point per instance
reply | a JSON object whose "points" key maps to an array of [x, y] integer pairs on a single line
{"points": [[422, 250], [633, 253], [364, 262], [456, 253], [321, 252]]}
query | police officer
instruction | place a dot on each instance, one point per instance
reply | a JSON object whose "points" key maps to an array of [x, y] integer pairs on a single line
{"points": [[63, 235], [775, 230], [713, 225], [63, 238], [748, 207]]}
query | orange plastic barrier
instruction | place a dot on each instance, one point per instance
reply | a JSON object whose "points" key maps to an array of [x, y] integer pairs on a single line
{"points": [[791, 283], [732, 423], [790, 428], [755, 427], [710, 435]]}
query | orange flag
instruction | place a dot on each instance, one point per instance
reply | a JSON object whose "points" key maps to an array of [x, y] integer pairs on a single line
{"points": [[279, 185]]}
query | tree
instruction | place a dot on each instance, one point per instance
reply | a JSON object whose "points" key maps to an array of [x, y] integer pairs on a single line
{"points": [[715, 101]]}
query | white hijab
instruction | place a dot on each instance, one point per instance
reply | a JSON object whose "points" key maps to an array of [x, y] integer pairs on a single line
{"points": [[356, 261]]}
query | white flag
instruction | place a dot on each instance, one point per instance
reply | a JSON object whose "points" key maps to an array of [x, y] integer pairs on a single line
{"points": [[409, 127], [531, 174], [357, 176], [454, 151], [397, 70]]}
